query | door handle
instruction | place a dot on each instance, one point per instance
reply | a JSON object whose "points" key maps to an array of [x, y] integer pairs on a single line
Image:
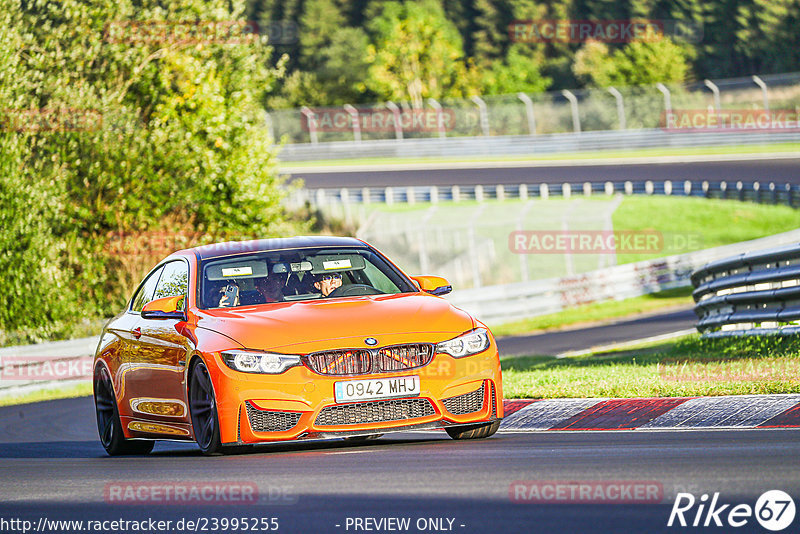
{"points": [[137, 332]]}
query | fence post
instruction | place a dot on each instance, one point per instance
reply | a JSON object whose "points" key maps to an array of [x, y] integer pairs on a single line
{"points": [[667, 187], [398, 125], [687, 188], [356, 123], [410, 196], [311, 120], [456, 193], [620, 107], [320, 198], [270, 125], [628, 188], [723, 188], [439, 117], [566, 190], [757, 191], [759, 82], [648, 187], [500, 192], [573, 100], [587, 189], [523, 191], [740, 190], [667, 101], [714, 89], [789, 194], [609, 187], [479, 193], [529, 112], [544, 191], [365, 195], [389, 194], [706, 189], [484, 114]]}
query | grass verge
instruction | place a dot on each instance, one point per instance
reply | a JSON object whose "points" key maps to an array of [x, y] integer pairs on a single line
{"points": [[77, 390], [565, 156], [598, 312], [690, 366]]}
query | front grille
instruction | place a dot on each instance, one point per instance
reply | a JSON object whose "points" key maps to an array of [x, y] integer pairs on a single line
{"points": [[401, 357], [340, 362], [374, 412], [363, 361], [268, 421], [466, 403]]}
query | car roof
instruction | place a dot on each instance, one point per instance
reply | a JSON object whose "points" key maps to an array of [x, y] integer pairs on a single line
{"points": [[260, 245]]}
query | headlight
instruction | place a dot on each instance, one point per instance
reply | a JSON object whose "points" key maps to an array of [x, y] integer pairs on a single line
{"points": [[465, 344], [248, 361]]}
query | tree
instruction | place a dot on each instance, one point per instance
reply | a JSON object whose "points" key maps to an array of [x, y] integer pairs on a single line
{"points": [[642, 62], [417, 54], [170, 138]]}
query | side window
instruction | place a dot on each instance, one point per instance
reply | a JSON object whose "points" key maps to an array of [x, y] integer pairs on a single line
{"points": [[145, 293], [174, 281]]}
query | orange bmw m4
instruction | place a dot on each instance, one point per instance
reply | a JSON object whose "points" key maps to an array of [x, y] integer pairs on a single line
{"points": [[290, 339]]}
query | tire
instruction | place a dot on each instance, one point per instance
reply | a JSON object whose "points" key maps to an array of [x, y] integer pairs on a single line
{"points": [[203, 410], [109, 427], [479, 431]]}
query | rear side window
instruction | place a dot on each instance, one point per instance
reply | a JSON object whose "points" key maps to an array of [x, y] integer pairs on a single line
{"points": [[146, 290], [174, 281]]}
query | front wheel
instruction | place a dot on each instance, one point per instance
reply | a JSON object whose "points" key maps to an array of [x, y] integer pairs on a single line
{"points": [[109, 426], [481, 430], [203, 409]]}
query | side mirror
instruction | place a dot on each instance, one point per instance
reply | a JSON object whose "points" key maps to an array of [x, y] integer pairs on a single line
{"points": [[435, 285], [164, 308]]}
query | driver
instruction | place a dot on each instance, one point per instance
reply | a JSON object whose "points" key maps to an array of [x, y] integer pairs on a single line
{"points": [[327, 283]]}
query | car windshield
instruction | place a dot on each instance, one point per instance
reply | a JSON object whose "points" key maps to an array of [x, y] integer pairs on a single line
{"points": [[296, 275]]}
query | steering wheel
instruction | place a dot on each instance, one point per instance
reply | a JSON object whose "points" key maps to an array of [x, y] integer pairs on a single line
{"points": [[353, 290]]}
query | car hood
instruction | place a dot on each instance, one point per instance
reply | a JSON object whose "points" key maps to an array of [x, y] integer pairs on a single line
{"points": [[334, 323]]}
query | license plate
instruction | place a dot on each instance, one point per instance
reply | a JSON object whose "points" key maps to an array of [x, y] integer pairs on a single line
{"points": [[376, 388]]}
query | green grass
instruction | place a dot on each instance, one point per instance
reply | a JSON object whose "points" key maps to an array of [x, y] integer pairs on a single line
{"points": [[697, 223], [691, 366], [597, 312], [77, 390], [570, 156]]}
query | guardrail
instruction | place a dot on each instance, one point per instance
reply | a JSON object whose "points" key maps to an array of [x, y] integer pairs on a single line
{"points": [[526, 145], [756, 191], [754, 292], [57, 364], [510, 302]]}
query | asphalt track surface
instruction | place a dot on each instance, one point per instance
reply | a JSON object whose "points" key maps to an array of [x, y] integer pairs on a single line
{"points": [[581, 338], [763, 170], [53, 467]]}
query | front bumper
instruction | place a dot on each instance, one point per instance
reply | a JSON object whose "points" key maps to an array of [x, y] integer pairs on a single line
{"points": [[300, 404]]}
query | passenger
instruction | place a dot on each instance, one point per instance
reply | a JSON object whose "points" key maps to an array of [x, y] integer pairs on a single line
{"points": [[270, 288], [327, 283]]}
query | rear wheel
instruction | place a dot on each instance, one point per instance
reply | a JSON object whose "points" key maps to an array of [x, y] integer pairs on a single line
{"points": [[203, 409], [482, 430], [109, 426]]}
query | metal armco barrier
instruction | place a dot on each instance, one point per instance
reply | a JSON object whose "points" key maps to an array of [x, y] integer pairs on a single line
{"points": [[501, 303], [754, 292], [755, 191]]}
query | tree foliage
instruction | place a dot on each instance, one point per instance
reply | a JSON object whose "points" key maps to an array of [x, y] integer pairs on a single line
{"points": [[178, 146]]}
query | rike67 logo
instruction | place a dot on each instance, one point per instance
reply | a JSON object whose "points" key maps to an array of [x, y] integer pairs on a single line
{"points": [[774, 510]]}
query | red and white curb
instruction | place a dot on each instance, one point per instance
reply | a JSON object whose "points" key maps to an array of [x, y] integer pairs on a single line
{"points": [[737, 411]]}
